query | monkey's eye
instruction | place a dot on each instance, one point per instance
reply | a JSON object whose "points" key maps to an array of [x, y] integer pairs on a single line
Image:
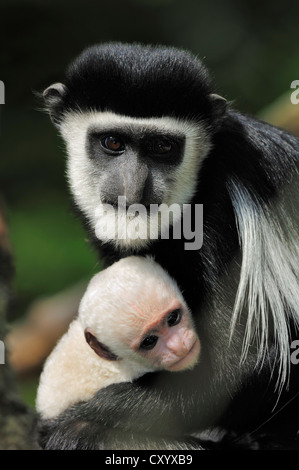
{"points": [[149, 342], [174, 317], [113, 143], [162, 146]]}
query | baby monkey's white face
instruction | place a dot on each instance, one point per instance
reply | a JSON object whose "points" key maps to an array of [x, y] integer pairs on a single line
{"points": [[153, 336], [168, 340], [134, 312]]}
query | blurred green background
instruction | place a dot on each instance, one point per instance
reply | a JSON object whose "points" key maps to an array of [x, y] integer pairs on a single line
{"points": [[251, 48]]}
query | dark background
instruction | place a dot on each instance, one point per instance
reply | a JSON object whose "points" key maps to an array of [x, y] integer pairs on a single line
{"points": [[251, 48]]}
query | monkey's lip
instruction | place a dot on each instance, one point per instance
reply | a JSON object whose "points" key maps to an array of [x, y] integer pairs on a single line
{"points": [[187, 361]]}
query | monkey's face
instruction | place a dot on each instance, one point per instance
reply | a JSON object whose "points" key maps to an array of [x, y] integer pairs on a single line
{"points": [[131, 176], [168, 340], [138, 122]]}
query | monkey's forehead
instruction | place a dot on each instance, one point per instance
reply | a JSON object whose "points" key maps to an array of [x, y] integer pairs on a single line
{"points": [[138, 80], [75, 123]]}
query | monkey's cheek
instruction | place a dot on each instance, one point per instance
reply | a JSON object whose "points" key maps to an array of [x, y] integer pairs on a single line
{"points": [[189, 360]]}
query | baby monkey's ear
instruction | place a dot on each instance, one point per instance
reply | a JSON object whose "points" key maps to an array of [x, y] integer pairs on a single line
{"points": [[99, 348]]}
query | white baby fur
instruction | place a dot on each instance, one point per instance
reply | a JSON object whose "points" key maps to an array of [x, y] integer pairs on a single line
{"points": [[268, 288], [86, 183], [128, 289]]}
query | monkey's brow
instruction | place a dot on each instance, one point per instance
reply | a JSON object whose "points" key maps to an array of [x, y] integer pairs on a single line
{"points": [[155, 325], [163, 319], [139, 130]]}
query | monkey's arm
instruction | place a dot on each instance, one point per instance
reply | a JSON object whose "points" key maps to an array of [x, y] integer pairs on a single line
{"points": [[112, 420], [156, 419]]}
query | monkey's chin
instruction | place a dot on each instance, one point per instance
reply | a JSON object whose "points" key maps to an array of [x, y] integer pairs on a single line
{"points": [[188, 361]]}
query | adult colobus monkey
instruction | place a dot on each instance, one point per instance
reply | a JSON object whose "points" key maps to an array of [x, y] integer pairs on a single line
{"points": [[144, 123]]}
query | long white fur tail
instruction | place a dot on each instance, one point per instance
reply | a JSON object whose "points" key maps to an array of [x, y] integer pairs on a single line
{"points": [[269, 281]]}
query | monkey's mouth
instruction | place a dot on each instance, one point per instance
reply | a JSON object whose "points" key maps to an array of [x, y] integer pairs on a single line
{"points": [[189, 360]]}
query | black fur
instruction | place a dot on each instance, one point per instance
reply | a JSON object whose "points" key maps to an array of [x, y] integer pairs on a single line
{"points": [[115, 76], [164, 409]]}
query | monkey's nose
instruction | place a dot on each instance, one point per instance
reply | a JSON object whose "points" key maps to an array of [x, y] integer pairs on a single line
{"points": [[177, 346]]}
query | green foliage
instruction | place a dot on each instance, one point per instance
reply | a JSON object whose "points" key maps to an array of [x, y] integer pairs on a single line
{"points": [[49, 248]]}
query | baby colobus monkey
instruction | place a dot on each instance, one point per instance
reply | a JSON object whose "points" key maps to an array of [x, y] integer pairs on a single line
{"points": [[132, 320]]}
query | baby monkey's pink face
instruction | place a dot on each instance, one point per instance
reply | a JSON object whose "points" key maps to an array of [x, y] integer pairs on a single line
{"points": [[170, 341], [152, 331]]}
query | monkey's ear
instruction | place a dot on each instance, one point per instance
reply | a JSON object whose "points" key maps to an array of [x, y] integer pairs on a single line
{"points": [[99, 348], [53, 99], [219, 105]]}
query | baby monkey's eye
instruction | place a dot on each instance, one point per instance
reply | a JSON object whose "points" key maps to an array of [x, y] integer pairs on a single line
{"points": [[174, 317], [149, 342], [113, 143]]}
